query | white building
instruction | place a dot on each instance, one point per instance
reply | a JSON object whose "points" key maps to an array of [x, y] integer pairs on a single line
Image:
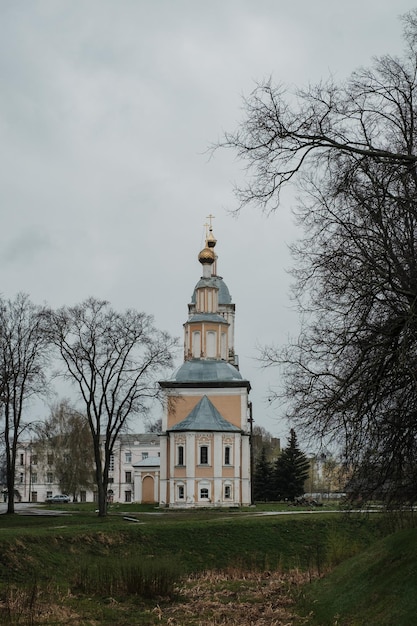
{"points": [[36, 478]]}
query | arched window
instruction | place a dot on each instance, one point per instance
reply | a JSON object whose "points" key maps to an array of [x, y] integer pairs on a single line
{"points": [[211, 344], [223, 342], [196, 344]]}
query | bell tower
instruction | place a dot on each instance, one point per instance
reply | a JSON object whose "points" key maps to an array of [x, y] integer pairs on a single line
{"points": [[205, 439]]}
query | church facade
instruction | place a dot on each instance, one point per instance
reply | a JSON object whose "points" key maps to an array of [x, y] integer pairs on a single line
{"points": [[205, 440]]}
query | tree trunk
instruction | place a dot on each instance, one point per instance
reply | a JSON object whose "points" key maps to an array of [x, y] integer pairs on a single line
{"points": [[10, 470]]}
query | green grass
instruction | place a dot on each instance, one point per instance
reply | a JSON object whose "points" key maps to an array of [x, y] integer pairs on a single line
{"points": [[377, 587], [108, 569]]}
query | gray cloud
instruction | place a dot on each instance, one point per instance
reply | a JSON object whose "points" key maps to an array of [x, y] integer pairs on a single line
{"points": [[106, 112]]}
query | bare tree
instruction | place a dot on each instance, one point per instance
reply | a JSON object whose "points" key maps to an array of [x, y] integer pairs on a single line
{"points": [[24, 352], [67, 433], [264, 442], [113, 358], [287, 133], [351, 147]]}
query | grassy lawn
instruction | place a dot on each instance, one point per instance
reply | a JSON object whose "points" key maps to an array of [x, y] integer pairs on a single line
{"points": [[142, 565]]}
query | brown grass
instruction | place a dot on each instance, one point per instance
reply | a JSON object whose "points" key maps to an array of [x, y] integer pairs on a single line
{"points": [[236, 598]]}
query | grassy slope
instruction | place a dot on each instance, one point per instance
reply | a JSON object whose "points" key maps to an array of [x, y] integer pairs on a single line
{"points": [[378, 585], [375, 588], [42, 546]]}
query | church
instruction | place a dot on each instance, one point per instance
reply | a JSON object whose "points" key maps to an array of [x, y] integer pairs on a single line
{"points": [[205, 439], [202, 457]]}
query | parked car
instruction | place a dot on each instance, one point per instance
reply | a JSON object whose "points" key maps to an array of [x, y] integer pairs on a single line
{"points": [[60, 499]]}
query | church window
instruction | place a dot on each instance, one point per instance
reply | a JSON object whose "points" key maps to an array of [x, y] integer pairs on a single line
{"points": [[204, 493], [34, 477], [180, 455], [211, 344], [196, 344], [227, 455], [128, 477], [223, 346], [128, 457], [203, 455], [128, 496], [181, 492], [145, 455], [227, 492]]}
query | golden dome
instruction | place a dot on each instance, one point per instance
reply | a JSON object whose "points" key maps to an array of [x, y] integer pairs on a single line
{"points": [[211, 240], [207, 256]]}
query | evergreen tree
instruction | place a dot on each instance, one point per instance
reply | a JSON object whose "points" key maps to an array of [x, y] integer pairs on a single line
{"points": [[291, 471], [262, 478]]}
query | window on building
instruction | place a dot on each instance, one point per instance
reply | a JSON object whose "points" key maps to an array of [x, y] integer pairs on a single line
{"points": [[49, 494], [111, 463], [227, 492], [145, 455], [50, 459], [203, 455], [204, 493], [34, 478], [49, 477], [111, 480], [128, 496], [196, 344], [22, 459], [83, 496], [180, 455], [21, 477], [223, 346], [128, 477], [181, 492], [211, 344], [227, 455], [34, 496], [128, 457], [34, 459]]}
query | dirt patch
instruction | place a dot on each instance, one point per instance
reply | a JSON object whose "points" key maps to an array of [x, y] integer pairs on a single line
{"points": [[236, 599]]}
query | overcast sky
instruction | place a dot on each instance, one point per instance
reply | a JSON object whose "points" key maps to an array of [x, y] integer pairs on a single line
{"points": [[107, 109]]}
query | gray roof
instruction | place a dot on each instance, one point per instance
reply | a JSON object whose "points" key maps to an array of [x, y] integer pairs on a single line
{"points": [[207, 317], [141, 439], [204, 370], [206, 417], [214, 281], [151, 461]]}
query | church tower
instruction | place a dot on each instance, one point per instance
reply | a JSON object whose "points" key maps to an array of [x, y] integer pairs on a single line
{"points": [[205, 440]]}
